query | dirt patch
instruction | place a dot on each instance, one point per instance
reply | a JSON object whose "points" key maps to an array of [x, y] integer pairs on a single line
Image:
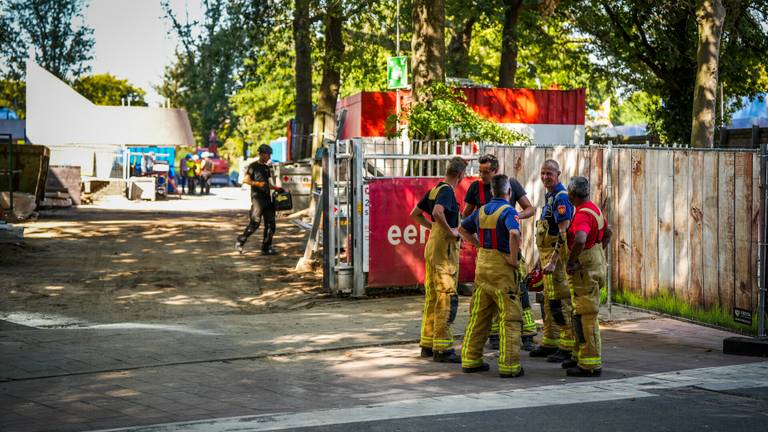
{"points": [[112, 265]]}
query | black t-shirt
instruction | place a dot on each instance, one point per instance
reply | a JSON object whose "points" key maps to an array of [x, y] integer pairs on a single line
{"points": [[260, 172], [473, 193], [447, 199]]}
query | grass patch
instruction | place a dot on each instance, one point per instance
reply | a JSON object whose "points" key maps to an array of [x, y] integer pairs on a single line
{"points": [[671, 305]]}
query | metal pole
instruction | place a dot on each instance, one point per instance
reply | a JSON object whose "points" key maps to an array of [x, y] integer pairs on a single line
{"points": [[763, 247], [609, 209], [329, 225], [358, 287]]}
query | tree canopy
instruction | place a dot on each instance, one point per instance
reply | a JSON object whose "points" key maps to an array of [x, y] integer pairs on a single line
{"points": [[106, 89]]}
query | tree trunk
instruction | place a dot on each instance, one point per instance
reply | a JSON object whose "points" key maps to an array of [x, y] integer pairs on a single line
{"points": [[325, 115], [710, 16], [427, 44], [303, 67], [458, 49], [508, 65]]}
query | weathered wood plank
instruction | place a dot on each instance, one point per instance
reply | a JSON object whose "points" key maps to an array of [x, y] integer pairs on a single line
{"points": [[726, 230], [571, 164], [651, 224], [755, 224], [638, 228], [666, 222], [585, 165], [625, 219], [596, 179], [615, 209], [682, 267], [710, 235], [536, 192], [695, 192], [743, 230]]}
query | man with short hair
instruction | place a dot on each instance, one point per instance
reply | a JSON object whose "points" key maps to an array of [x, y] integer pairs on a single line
{"points": [[588, 237], [479, 194], [441, 263], [495, 230], [258, 176], [557, 343]]}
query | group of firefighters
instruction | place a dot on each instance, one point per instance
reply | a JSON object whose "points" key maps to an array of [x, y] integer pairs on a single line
{"points": [[571, 236]]}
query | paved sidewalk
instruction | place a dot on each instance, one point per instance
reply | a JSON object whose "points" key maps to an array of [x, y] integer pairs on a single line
{"points": [[341, 354]]}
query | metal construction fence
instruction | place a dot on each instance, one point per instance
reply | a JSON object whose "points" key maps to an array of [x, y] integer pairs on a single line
{"points": [[687, 222]]}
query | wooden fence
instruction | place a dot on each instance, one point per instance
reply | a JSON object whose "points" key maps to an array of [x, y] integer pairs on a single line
{"points": [[685, 221]]}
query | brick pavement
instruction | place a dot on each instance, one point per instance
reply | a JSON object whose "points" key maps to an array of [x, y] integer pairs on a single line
{"points": [[338, 375]]}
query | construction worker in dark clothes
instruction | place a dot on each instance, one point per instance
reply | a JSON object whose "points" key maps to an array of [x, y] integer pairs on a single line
{"points": [[558, 340], [495, 230], [441, 263], [478, 194], [588, 238], [258, 176]]}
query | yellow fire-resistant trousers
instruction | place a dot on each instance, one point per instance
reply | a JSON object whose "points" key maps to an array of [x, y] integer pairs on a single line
{"points": [[529, 325], [585, 287], [441, 258], [555, 288], [496, 290]]}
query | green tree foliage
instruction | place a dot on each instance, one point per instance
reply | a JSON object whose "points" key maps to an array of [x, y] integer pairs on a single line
{"points": [[265, 103], [633, 110], [53, 31], [12, 95], [209, 61], [651, 47], [446, 111], [106, 89]]}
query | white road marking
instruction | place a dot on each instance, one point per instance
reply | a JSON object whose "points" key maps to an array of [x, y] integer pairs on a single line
{"points": [[748, 375]]}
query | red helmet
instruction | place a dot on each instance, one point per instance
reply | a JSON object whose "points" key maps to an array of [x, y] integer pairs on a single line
{"points": [[535, 280]]}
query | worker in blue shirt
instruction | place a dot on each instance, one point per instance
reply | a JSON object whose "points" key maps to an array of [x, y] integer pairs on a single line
{"points": [[495, 230], [441, 263], [478, 194], [558, 340]]}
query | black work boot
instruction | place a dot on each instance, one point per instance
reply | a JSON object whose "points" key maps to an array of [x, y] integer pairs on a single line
{"points": [[239, 247], [569, 364], [519, 373], [268, 251], [528, 343], [482, 368], [559, 356], [427, 352], [449, 356], [493, 341], [586, 373], [542, 351]]}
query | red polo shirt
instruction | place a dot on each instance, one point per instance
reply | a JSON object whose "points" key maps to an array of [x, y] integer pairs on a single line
{"points": [[586, 222]]}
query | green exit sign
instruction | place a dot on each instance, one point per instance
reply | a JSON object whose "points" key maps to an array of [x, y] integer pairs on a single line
{"points": [[397, 72]]}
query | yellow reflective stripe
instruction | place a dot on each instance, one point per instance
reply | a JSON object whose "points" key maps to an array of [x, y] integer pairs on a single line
{"points": [[471, 363], [528, 322], [442, 340], [509, 369], [549, 286], [502, 328], [472, 322], [427, 299], [495, 327], [590, 360], [549, 342]]}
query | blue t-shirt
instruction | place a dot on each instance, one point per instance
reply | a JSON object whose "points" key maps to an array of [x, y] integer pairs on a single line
{"points": [[447, 199], [557, 208], [507, 221]]}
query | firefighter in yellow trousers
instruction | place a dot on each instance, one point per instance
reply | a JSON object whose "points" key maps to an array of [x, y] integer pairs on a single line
{"points": [[558, 341], [441, 262], [495, 230], [588, 236]]}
